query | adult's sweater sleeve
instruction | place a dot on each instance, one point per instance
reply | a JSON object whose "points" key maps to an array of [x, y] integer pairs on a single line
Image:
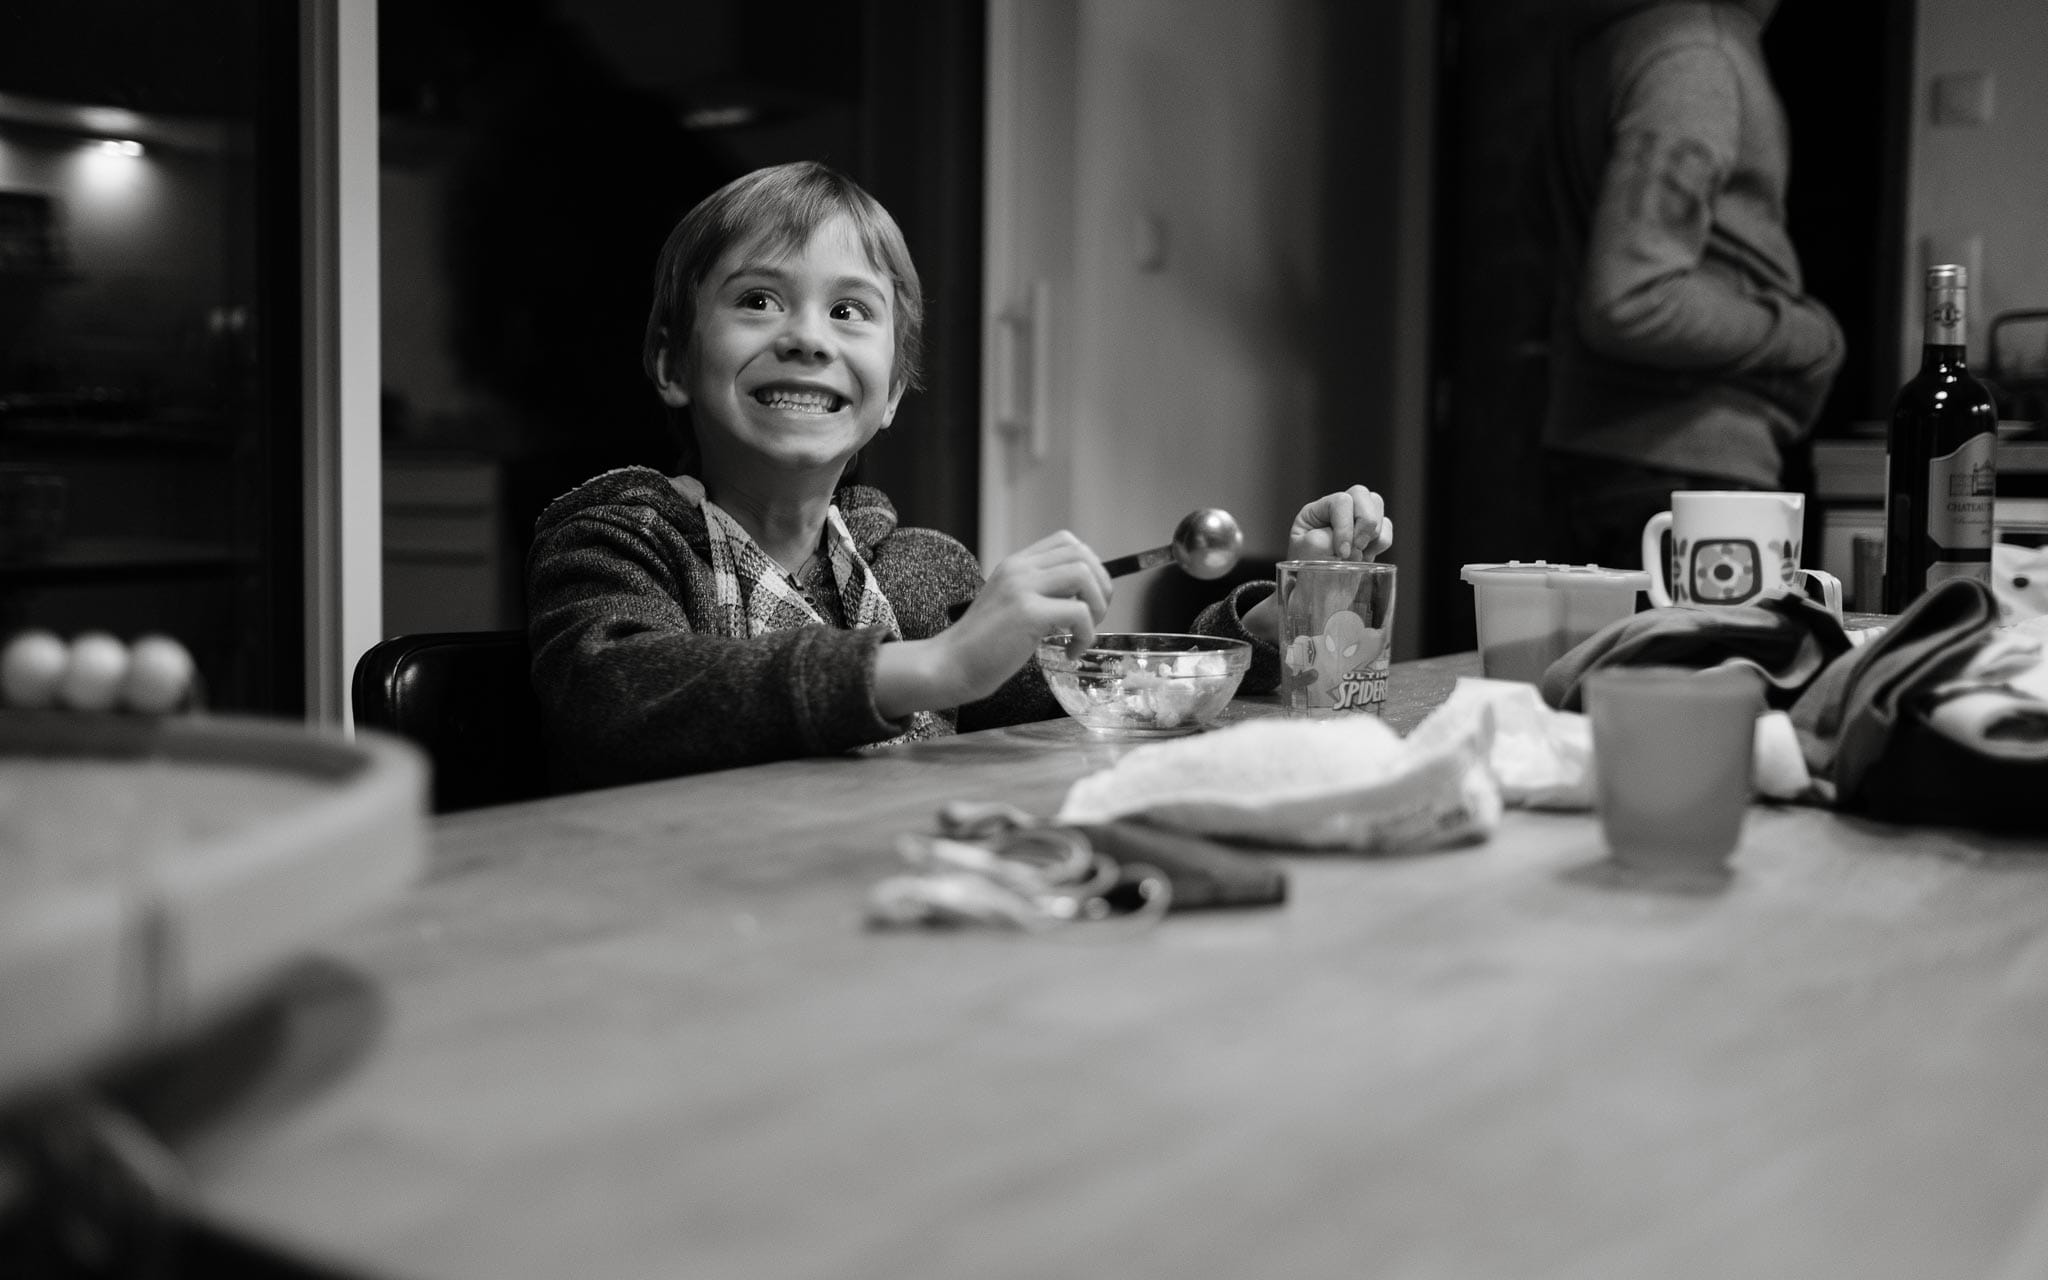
{"points": [[631, 689], [1653, 294]]}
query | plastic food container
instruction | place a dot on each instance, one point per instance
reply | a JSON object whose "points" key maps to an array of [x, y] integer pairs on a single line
{"points": [[1530, 615]]}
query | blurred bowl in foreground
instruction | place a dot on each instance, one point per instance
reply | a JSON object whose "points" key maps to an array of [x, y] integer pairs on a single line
{"points": [[1143, 683]]}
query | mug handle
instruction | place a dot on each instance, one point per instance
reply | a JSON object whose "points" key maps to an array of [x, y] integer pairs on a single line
{"points": [[1653, 558], [1830, 589]]}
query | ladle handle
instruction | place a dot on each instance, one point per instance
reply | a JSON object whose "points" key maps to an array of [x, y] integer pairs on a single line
{"points": [[1116, 568], [1137, 560]]}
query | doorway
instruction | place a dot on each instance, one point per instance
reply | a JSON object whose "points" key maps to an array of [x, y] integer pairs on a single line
{"points": [[151, 360], [1846, 204]]}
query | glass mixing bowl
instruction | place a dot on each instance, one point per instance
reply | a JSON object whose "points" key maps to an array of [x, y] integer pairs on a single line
{"points": [[1145, 683]]}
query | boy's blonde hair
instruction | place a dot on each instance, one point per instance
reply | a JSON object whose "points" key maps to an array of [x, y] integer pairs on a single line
{"points": [[779, 208]]}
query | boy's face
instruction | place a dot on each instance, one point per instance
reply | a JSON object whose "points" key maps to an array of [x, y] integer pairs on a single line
{"points": [[790, 364]]}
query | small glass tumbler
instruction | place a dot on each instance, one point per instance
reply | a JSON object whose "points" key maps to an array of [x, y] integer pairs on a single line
{"points": [[1336, 635], [1673, 753]]}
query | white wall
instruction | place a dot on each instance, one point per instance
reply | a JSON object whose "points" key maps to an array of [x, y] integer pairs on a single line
{"points": [[1186, 379], [1195, 380], [1984, 182], [1194, 131]]}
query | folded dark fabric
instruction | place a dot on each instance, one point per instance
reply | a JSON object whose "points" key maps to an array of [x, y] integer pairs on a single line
{"points": [[1788, 639], [1202, 872], [1870, 720], [1865, 731]]}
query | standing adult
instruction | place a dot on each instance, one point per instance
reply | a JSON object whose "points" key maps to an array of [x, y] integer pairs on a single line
{"points": [[1684, 350]]}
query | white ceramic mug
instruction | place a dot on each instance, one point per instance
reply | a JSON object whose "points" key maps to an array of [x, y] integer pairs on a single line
{"points": [[1732, 546]]}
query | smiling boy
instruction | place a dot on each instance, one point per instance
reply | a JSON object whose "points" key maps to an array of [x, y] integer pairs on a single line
{"points": [[751, 607]]}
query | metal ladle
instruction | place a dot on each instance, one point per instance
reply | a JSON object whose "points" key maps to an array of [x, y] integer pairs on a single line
{"points": [[1205, 545]]}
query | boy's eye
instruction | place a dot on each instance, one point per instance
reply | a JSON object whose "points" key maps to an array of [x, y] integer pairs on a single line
{"points": [[849, 309], [755, 300]]}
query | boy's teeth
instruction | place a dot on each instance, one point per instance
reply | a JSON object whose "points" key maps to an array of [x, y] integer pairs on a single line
{"points": [[811, 401]]}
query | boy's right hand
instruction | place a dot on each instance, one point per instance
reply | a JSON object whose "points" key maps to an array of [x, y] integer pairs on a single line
{"points": [[1056, 585]]}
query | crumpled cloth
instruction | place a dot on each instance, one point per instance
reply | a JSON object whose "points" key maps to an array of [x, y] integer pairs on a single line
{"points": [[1940, 718], [1787, 639], [1999, 702], [1543, 757], [1202, 872], [993, 863], [1347, 782]]}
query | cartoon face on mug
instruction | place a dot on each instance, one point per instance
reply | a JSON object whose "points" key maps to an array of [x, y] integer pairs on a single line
{"points": [[1730, 570]]}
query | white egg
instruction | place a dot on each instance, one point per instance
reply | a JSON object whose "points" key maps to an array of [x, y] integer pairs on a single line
{"points": [[92, 677], [31, 668], [159, 676]]}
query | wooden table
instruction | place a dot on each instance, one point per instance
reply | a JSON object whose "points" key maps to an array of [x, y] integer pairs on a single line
{"points": [[643, 1033]]}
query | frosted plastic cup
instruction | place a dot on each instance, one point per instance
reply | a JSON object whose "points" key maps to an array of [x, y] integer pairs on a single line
{"points": [[1530, 615], [1336, 636], [1672, 753]]}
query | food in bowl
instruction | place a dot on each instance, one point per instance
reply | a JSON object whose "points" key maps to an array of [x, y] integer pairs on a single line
{"points": [[1145, 683]]}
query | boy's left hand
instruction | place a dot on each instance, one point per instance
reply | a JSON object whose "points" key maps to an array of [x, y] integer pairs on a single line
{"points": [[1349, 525]]}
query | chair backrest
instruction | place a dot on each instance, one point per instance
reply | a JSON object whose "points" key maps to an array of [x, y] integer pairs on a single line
{"points": [[464, 697]]}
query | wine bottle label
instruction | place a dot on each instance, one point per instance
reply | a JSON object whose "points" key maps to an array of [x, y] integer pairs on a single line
{"points": [[1960, 490], [1947, 291], [1945, 317]]}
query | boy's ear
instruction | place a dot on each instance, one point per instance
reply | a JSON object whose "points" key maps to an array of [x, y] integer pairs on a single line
{"points": [[895, 398], [672, 393]]}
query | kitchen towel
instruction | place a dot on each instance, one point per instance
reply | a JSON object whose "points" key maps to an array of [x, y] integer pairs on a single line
{"points": [[1937, 721]]}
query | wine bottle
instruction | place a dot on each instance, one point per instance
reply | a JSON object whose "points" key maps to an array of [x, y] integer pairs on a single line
{"points": [[1941, 462]]}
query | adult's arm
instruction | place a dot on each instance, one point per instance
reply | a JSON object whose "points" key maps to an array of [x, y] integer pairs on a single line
{"points": [[1653, 294]]}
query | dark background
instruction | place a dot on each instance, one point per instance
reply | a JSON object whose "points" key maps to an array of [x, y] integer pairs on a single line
{"points": [[1488, 500]]}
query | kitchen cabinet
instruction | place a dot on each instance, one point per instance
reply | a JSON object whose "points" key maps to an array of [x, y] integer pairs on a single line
{"points": [[447, 562]]}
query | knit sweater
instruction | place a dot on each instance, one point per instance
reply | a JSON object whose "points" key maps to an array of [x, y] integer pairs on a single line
{"points": [[1682, 338], [631, 688]]}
